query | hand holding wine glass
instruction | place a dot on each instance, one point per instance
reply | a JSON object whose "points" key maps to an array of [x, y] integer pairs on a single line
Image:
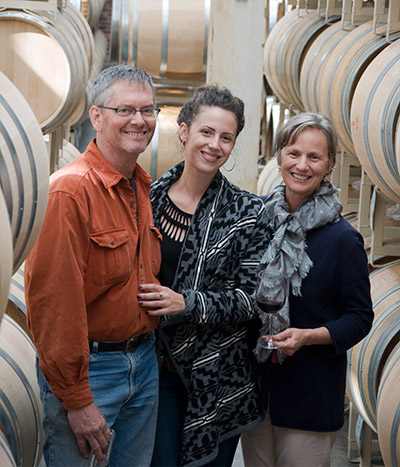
{"points": [[271, 292]]}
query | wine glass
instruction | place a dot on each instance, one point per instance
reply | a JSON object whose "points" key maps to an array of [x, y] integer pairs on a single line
{"points": [[271, 292]]}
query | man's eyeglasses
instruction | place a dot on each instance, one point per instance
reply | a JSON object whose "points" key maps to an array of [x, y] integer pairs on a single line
{"points": [[148, 113]]}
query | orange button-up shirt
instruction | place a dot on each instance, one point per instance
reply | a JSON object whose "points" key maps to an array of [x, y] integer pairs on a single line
{"points": [[96, 245]]}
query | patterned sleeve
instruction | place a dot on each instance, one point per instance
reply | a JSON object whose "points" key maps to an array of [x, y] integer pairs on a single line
{"points": [[226, 294]]}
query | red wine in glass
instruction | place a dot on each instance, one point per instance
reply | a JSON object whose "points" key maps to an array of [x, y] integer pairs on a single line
{"points": [[269, 307], [270, 297]]}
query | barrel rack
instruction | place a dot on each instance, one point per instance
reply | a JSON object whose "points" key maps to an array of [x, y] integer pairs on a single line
{"points": [[350, 10], [360, 439], [371, 204], [381, 238], [54, 140]]}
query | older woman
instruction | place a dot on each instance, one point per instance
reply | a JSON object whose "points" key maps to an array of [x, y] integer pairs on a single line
{"points": [[213, 241], [329, 306]]}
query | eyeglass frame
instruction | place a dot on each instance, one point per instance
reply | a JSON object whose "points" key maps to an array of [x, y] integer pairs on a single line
{"points": [[156, 111]]}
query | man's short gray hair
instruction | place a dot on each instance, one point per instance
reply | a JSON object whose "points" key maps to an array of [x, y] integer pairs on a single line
{"points": [[100, 92]]}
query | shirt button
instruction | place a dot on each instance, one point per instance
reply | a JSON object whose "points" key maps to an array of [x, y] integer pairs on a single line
{"points": [[140, 265], [144, 328], [112, 242], [131, 205]]}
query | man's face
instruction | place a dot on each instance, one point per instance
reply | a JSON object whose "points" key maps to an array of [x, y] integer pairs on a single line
{"points": [[127, 136]]}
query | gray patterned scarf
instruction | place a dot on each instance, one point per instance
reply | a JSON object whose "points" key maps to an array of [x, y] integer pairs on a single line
{"points": [[287, 248]]}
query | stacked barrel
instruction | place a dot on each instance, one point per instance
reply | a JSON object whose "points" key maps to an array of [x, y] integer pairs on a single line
{"points": [[46, 63], [169, 39], [349, 71], [24, 181], [343, 72], [374, 366], [150, 35]]}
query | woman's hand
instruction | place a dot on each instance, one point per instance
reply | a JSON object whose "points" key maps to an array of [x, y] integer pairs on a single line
{"points": [[159, 300], [291, 340]]}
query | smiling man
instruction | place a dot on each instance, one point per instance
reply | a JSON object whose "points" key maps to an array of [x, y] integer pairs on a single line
{"points": [[97, 365]]}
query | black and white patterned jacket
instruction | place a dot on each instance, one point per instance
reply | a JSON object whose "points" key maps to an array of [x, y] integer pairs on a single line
{"points": [[207, 341]]}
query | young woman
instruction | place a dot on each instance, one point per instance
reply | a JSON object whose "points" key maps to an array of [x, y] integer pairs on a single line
{"points": [[213, 240]]}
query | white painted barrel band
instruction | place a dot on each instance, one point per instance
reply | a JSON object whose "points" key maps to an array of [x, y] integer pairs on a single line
{"points": [[6, 457], [389, 409], [393, 437], [334, 73], [164, 45], [13, 297], [310, 87], [390, 108], [9, 421], [23, 427], [5, 177], [380, 346], [351, 77]]}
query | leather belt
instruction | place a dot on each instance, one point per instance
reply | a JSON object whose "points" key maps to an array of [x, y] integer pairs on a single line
{"points": [[114, 346]]}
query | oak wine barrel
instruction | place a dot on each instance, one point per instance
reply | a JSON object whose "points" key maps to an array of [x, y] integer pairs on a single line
{"points": [[165, 149], [6, 457], [314, 62], [76, 20], [67, 154], [273, 111], [20, 404], [6, 255], [167, 38], [24, 174], [100, 51], [375, 121], [388, 410], [91, 10], [284, 52], [16, 307], [341, 73], [269, 178], [45, 58], [367, 359]]}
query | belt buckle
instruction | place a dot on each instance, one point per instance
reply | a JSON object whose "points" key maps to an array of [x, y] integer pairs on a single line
{"points": [[131, 343]]}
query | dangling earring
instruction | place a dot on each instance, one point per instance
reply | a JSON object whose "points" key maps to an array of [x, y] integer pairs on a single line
{"points": [[230, 170]]}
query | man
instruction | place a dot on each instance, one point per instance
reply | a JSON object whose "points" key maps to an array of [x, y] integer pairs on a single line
{"points": [[98, 366]]}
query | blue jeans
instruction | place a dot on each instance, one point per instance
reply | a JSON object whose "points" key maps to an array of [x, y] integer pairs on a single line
{"points": [[171, 418], [125, 389]]}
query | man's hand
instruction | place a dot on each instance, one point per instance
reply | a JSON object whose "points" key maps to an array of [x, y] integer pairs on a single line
{"points": [[90, 429]]}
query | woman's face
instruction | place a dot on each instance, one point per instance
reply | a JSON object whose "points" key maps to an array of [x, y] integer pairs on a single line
{"points": [[304, 164], [209, 140]]}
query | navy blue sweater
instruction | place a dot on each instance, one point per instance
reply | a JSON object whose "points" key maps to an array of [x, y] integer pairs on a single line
{"points": [[307, 391]]}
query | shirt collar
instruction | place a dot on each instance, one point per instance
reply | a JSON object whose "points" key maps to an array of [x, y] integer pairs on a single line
{"points": [[107, 173]]}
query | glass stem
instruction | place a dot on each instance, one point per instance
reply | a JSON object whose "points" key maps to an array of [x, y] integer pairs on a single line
{"points": [[270, 341]]}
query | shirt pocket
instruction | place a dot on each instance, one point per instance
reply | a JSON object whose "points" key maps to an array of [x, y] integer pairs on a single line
{"points": [[110, 257]]}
